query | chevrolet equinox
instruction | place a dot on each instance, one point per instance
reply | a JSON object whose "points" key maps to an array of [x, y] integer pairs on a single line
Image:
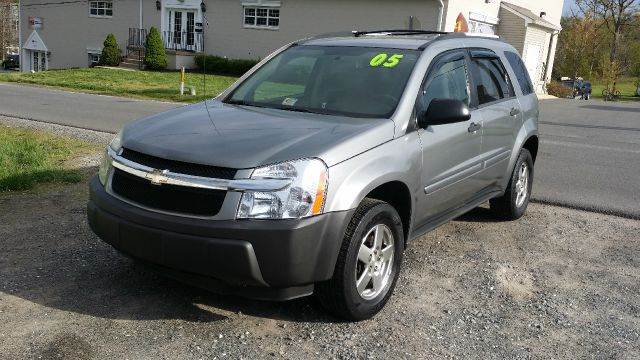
{"points": [[313, 172]]}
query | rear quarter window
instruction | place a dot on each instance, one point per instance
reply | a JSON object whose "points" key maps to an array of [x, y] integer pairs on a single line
{"points": [[522, 75]]}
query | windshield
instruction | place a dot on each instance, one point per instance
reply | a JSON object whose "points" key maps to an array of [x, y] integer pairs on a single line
{"points": [[349, 81]]}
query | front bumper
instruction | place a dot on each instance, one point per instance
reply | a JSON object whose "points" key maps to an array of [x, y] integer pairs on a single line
{"points": [[263, 259]]}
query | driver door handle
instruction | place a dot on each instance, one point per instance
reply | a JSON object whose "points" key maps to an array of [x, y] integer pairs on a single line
{"points": [[514, 111], [474, 127]]}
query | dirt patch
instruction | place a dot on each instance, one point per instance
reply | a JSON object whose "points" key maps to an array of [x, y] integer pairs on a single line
{"points": [[559, 283], [515, 282]]}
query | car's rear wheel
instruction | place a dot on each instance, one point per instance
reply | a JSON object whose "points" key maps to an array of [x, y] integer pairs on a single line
{"points": [[368, 263], [513, 204]]}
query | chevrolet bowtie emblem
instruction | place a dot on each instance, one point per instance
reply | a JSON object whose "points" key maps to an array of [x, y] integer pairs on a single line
{"points": [[157, 177]]}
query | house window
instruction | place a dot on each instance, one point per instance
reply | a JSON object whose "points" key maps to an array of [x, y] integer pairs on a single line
{"points": [[101, 8], [481, 27], [261, 17]]}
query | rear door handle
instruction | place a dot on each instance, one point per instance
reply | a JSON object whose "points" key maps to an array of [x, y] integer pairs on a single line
{"points": [[514, 111], [474, 127]]}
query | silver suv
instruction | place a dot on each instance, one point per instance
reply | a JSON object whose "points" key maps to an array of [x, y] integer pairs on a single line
{"points": [[316, 169]]}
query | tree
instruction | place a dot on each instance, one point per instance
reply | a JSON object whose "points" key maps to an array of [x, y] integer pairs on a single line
{"points": [[155, 57], [579, 45], [110, 52], [616, 16], [8, 26]]}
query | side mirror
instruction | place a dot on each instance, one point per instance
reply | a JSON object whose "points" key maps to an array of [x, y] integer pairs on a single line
{"points": [[444, 111]]}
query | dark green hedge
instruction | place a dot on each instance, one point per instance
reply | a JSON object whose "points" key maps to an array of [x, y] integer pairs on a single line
{"points": [[224, 66], [110, 52], [155, 57]]}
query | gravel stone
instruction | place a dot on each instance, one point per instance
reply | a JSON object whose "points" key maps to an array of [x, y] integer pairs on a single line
{"points": [[559, 283]]}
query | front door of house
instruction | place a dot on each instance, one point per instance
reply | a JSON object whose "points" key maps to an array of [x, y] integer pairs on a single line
{"points": [[182, 30]]}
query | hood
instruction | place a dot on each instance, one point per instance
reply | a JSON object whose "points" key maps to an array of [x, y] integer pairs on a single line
{"points": [[218, 134]]}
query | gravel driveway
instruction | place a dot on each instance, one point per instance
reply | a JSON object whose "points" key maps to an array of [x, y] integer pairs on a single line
{"points": [[560, 283]]}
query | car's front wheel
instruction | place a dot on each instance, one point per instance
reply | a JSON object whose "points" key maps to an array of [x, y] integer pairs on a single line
{"points": [[368, 264], [513, 204]]}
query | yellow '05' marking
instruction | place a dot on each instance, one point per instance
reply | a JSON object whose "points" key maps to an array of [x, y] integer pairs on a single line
{"points": [[386, 60]]}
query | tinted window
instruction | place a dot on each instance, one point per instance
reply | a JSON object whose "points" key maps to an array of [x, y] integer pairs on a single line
{"points": [[491, 80], [341, 80], [448, 81], [522, 75]]}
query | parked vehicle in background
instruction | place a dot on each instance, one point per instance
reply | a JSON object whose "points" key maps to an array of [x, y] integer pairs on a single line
{"points": [[318, 167], [579, 88], [583, 89], [11, 62]]}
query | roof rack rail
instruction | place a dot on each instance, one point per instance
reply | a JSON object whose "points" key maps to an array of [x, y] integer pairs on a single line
{"points": [[357, 33]]}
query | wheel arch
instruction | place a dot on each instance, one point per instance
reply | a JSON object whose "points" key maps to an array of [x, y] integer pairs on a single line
{"points": [[532, 144], [397, 194], [528, 139]]}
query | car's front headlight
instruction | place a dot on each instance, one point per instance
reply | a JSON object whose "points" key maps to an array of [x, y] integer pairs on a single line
{"points": [[105, 163], [303, 198], [116, 143]]}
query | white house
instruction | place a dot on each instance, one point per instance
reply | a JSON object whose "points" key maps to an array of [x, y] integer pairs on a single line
{"points": [[62, 34]]}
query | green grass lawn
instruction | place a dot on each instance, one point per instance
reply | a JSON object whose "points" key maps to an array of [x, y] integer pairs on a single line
{"points": [[29, 157], [137, 84], [626, 86]]}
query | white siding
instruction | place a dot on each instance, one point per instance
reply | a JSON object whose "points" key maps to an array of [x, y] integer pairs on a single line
{"points": [[512, 29], [226, 35], [68, 30]]}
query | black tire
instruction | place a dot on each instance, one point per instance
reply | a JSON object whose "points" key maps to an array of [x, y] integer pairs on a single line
{"points": [[339, 295], [506, 206]]}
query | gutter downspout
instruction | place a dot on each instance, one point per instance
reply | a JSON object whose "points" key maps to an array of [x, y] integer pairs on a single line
{"points": [[440, 15], [141, 19], [20, 50], [551, 54]]}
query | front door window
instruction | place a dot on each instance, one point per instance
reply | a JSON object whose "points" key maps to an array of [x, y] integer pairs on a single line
{"points": [[38, 61], [182, 30], [177, 27], [190, 27]]}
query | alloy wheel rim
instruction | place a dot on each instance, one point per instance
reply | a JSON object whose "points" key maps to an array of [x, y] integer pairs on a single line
{"points": [[375, 262], [522, 186]]}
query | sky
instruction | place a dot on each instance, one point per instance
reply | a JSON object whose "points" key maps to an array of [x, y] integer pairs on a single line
{"points": [[568, 4]]}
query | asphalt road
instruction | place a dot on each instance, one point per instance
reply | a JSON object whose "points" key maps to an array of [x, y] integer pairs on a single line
{"points": [[94, 112], [589, 154]]}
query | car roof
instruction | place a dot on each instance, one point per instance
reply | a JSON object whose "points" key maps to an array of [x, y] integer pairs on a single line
{"points": [[394, 39]]}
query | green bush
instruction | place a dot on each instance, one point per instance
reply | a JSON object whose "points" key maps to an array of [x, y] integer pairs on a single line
{"points": [[223, 66], [110, 52], [155, 57]]}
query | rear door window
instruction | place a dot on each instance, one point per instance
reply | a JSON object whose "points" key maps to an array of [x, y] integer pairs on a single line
{"points": [[490, 79], [522, 74]]}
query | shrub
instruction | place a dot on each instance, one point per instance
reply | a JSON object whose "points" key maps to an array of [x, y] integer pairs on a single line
{"points": [[556, 88], [110, 52], [155, 57], [223, 66]]}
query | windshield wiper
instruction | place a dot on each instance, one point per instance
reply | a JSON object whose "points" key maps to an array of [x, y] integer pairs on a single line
{"points": [[267, 106], [302, 110], [243, 103], [235, 102]]}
